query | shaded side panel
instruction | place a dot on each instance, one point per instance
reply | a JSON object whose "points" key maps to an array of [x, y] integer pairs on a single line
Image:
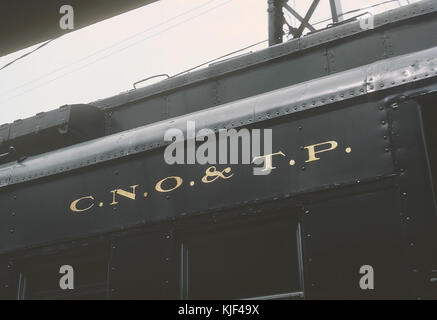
{"points": [[343, 234]]}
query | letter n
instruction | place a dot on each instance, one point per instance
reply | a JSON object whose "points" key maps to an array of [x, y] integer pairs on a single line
{"points": [[130, 195]]}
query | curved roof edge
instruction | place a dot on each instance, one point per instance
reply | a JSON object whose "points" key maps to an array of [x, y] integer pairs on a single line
{"points": [[375, 77], [217, 69]]}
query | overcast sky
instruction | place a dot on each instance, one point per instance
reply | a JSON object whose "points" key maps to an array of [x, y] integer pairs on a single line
{"points": [[168, 36]]}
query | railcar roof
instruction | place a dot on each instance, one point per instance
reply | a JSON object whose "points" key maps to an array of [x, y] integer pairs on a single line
{"points": [[291, 47], [376, 77]]}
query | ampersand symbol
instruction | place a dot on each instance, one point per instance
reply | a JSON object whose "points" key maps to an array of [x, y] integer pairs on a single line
{"points": [[211, 174]]}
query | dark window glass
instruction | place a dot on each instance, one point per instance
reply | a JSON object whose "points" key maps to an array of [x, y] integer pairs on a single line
{"points": [[244, 260], [40, 275]]}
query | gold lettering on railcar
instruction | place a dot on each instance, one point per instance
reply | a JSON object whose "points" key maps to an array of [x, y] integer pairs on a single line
{"points": [[212, 174], [73, 205], [312, 150], [123, 193], [267, 160], [178, 181]]}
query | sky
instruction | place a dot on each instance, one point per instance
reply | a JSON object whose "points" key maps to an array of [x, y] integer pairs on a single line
{"points": [[168, 36]]}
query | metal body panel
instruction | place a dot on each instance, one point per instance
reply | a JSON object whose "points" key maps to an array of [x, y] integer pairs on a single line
{"points": [[331, 50], [160, 280], [370, 234], [316, 93], [360, 127], [278, 73], [369, 201], [418, 209]]}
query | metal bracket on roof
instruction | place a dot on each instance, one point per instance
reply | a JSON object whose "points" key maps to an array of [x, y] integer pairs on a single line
{"points": [[277, 20]]}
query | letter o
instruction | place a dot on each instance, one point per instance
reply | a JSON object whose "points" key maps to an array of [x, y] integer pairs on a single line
{"points": [[73, 205], [159, 188]]}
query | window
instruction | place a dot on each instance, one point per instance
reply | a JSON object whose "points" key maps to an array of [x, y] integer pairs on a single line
{"points": [[243, 260], [39, 279]]}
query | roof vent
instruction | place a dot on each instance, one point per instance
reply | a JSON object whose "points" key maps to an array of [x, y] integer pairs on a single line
{"points": [[51, 130]]}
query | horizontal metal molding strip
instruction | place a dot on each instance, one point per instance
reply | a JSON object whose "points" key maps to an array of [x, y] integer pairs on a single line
{"points": [[290, 47], [315, 93]]}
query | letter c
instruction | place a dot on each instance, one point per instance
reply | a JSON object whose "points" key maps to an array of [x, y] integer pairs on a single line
{"points": [[73, 206]]}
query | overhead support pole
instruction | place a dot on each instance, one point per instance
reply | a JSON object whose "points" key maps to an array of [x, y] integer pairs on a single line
{"points": [[276, 21], [336, 11]]}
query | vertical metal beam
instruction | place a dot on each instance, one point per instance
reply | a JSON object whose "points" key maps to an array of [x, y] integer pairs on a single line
{"points": [[275, 21], [336, 11]]}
